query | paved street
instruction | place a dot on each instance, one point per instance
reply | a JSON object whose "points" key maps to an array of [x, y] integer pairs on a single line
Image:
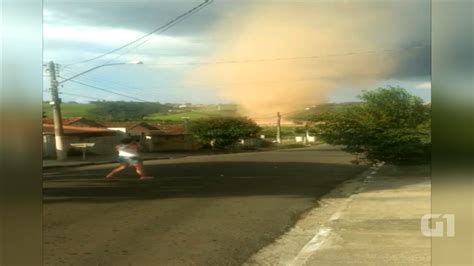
{"points": [[371, 220], [202, 210]]}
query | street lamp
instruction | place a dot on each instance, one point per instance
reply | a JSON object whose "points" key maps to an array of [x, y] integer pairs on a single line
{"points": [[56, 102], [104, 65]]}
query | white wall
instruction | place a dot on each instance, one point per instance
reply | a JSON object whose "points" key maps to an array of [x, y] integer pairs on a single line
{"points": [[104, 145]]}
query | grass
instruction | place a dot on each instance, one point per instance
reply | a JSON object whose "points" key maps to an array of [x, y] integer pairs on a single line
{"points": [[192, 114], [70, 109]]}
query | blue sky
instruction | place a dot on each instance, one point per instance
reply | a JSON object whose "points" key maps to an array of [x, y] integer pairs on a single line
{"points": [[76, 31]]}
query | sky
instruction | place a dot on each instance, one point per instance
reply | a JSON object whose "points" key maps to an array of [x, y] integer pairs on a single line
{"points": [[265, 55]]}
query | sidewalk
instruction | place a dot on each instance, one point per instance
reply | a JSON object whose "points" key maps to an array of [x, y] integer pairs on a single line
{"points": [[374, 220], [74, 161]]}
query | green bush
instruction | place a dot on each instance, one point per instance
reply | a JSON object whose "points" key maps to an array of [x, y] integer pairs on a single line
{"points": [[223, 131], [388, 125]]}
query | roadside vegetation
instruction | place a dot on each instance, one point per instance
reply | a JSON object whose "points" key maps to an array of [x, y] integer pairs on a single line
{"points": [[388, 125], [222, 132], [311, 113]]}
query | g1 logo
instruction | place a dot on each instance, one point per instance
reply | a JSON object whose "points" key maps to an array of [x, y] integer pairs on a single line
{"points": [[438, 229]]}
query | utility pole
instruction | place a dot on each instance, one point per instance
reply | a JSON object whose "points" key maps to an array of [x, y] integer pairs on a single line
{"points": [[57, 118], [186, 120], [306, 137], [278, 137]]}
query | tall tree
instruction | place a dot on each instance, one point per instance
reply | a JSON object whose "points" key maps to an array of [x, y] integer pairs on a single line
{"points": [[388, 125]]}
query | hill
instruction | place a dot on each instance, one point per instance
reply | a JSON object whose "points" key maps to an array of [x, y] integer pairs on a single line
{"points": [[70, 109], [154, 112], [193, 113], [310, 113]]}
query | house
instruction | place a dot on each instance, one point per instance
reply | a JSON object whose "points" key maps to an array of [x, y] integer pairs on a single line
{"points": [[159, 142], [170, 129], [170, 137], [130, 128], [75, 121], [105, 140]]}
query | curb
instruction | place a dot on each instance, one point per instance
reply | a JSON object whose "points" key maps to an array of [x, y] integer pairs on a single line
{"points": [[105, 162], [76, 165], [159, 158], [313, 228]]}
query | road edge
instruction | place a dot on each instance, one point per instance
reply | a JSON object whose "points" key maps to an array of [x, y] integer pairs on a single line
{"points": [[310, 231]]}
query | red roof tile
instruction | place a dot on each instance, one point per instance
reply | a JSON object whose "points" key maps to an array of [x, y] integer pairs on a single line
{"points": [[49, 128], [170, 129], [71, 120], [128, 125]]}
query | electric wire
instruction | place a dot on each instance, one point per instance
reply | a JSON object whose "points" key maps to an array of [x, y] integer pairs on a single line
{"points": [[160, 29], [196, 9], [120, 87], [244, 61], [109, 91], [82, 96]]}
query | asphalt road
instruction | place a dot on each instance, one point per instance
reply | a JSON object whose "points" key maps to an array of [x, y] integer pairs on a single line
{"points": [[203, 210]]}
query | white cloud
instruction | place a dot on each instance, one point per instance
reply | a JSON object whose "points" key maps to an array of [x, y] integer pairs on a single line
{"points": [[106, 36], [424, 86]]}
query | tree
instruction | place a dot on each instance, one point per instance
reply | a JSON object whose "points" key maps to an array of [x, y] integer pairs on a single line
{"points": [[388, 125], [312, 112], [223, 131], [124, 111]]}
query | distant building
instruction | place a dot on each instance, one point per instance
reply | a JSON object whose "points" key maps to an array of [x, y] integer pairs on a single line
{"points": [[131, 128], [305, 138], [157, 137], [170, 137]]}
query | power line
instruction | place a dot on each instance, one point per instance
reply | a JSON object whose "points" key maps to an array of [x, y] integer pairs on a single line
{"points": [[103, 82], [274, 115], [121, 86], [145, 40], [243, 61], [143, 93], [157, 30], [82, 96], [239, 84], [102, 89], [287, 58]]}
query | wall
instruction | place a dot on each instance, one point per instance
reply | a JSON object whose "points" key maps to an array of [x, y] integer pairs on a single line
{"points": [[159, 143], [104, 145], [49, 147], [252, 143], [138, 130]]}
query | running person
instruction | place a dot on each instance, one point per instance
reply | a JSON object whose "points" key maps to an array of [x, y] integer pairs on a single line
{"points": [[128, 155]]}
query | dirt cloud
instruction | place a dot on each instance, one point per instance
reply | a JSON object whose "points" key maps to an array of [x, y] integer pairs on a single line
{"points": [[319, 37]]}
